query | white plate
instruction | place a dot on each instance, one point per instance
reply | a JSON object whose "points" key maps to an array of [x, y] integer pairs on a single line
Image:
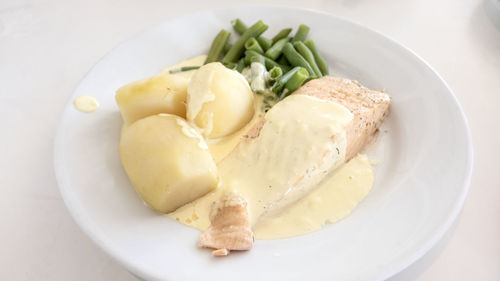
{"points": [[424, 151]]}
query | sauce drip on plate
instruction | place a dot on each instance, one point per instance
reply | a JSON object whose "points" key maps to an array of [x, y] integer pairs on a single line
{"points": [[86, 104]]}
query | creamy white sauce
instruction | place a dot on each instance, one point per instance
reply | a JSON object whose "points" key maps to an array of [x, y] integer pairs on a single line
{"points": [[221, 147], [334, 198], [257, 76], [270, 171], [258, 79], [191, 132], [86, 103]]}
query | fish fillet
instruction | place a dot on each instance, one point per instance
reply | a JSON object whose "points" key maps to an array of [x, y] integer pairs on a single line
{"points": [[230, 226], [368, 106]]}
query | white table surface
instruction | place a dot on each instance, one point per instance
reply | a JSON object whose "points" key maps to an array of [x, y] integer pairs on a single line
{"points": [[46, 46]]}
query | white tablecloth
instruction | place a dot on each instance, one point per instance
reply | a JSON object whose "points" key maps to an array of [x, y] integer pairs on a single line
{"points": [[46, 47]]}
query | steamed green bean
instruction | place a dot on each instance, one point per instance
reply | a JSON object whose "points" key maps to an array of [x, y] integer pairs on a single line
{"points": [[276, 49], [323, 66], [217, 46], [238, 47], [264, 42], [239, 26], [301, 34], [296, 59], [275, 73], [252, 44], [269, 63], [241, 65], [259, 59], [297, 79], [280, 83], [227, 46], [308, 55], [230, 65], [282, 60], [282, 34]]}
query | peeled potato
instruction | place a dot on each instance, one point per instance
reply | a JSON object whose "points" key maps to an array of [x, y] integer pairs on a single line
{"points": [[219, 100], [160, 94], [167, 161], [163, 93]]}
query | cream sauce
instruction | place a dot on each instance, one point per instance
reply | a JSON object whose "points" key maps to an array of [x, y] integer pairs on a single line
{"points": [[274, 170], [86, 103], [221, 147], [191, 132], [257, 76], [333, 199]]}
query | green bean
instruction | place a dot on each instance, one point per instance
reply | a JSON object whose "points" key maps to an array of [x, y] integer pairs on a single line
{"points": [[282, 60], [308, 55], [239, 26], [248, 55], [238, 47], [252, 44], [217, 46], [182, 69], [301, 34], [275, 51], [280, 83], [230, 65], [252, 56], [282, 34], [227, 46], [283, 67], [269, 63], [259, 59], [296, 59], [241, 65], [264, 42], [297, 79], [323, 66], [275, 73], [266, 106]]}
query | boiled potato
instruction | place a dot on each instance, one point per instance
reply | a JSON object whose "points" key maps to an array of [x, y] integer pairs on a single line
{"points": [[160, 94], [163, 93], [219, 100], [167, 161]]}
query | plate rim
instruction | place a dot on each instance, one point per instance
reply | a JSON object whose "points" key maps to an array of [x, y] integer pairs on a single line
{"points": [[397, 266]]}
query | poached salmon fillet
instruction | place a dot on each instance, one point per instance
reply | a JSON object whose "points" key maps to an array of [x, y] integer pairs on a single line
{"points": [[368, 106], [361, 112]]}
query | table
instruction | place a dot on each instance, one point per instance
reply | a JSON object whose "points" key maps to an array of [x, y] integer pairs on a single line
{"points": [[47, 46]]}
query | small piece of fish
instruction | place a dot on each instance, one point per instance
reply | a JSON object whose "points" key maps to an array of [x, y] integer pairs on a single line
{"points": [[230, 227]]}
